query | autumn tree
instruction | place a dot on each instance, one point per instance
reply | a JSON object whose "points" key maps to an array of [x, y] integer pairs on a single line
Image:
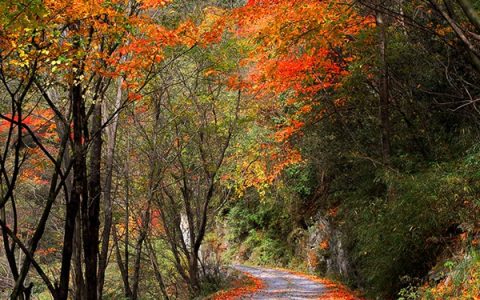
{"points": [[73, 51], [427, 79], [298, 58], [194, 120]]}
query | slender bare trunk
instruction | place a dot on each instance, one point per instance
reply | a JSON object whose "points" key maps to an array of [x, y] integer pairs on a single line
{"points": [[121, 266], [79, 188], [384, 92], [138, 250], [111, 131], [156, 270]]}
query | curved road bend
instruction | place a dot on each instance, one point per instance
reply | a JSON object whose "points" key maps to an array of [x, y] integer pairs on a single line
{"points": [[282, 285]]}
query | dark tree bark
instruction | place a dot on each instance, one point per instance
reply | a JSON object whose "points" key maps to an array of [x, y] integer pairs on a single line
{"points": [[79, 187], [121, 266], [79, 283], [384, 92], [91, 207], [139, 250], [55, 188]]}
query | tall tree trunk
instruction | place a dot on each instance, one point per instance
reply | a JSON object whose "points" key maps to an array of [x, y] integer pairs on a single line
{"points": [[79, 188], [121, 266], [384, 93], [107, 190], [9, 251], [156, 269], [79, 283], [91, 206], [127, 222], [193, 272], [138, 250]]}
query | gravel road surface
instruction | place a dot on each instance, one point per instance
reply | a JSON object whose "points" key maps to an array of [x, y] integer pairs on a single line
{"points": [[282, 285]]}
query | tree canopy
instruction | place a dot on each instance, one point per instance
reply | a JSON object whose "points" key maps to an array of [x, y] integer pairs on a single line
{"points": [[146, 145]]}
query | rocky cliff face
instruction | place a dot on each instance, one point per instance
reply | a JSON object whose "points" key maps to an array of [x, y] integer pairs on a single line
{"points": [[323, 249]]}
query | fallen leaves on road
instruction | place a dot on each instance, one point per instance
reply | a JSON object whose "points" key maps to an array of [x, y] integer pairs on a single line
{"points": [[249, 285], [334, 291]]}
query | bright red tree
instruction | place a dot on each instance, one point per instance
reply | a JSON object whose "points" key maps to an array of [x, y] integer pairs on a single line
{"points": [[299, 52]]}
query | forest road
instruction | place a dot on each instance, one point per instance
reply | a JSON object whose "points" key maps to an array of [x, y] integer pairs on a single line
{"points": [[282, 285]]}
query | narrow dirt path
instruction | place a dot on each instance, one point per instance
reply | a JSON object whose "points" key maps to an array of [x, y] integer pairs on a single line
{"points": [[282, 285]]}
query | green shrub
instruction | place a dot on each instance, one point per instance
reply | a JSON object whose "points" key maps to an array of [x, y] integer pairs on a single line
{"points": [[257, 229], [402, 235], [462, 282]]}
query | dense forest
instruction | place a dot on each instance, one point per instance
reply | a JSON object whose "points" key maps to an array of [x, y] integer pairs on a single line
{"points": [[147, 146]]}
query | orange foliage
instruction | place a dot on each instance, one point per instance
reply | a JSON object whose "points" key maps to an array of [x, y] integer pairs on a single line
{"points": [[104, 38], [298, 50], [260, 164], [468, 288], [335, 291], [333, 212], [299, 44], [324, 245], [240, 289], [45, 252], [312, 258], [41, 123]]}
